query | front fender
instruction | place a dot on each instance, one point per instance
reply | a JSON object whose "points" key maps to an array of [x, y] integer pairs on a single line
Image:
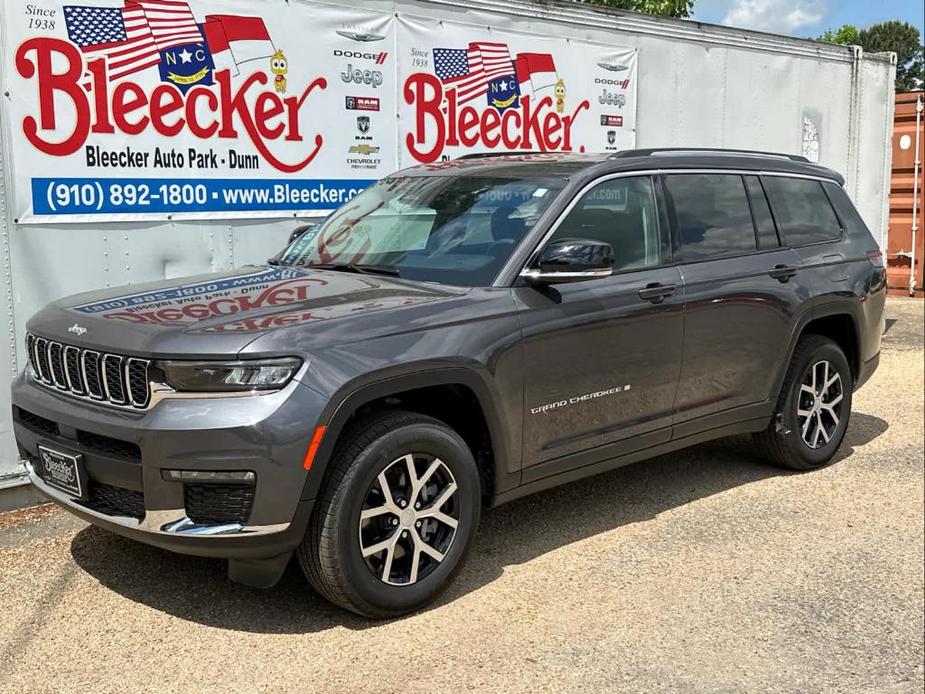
{"points": [[504, 429]]}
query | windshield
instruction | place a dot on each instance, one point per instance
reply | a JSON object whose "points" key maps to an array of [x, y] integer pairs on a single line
{"points": [[454, 230]]}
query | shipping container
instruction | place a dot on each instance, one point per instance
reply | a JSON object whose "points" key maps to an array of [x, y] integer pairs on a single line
{"points": [[907, 196], [362, 71]]}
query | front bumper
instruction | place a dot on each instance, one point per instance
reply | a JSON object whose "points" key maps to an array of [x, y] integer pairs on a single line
{"points": [[125, 453]]}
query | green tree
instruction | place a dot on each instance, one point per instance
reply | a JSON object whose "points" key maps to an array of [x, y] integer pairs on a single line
{"points": [[664, 8], [905, 41], [846, 34]]}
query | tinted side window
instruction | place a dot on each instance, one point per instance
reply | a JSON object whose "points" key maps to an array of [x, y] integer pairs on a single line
{"points": [[621, 212], [712, 214], [846, 211], [803, 212], [764, 222]]}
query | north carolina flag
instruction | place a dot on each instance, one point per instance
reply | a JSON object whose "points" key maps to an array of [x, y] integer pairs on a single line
{"points": [[535, 72], [244, 38]]}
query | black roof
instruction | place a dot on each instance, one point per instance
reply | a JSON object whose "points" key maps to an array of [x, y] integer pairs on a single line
{"points": [[568, 164]]}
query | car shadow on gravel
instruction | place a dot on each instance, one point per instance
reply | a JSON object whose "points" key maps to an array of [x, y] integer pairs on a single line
{"points": [[198, 589]]}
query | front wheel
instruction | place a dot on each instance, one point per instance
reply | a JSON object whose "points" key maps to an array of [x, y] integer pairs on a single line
{"points": [[396, 517], [814, 407]]}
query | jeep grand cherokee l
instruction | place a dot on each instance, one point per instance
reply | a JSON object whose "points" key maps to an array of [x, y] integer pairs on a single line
{"points": [[457, 336]]}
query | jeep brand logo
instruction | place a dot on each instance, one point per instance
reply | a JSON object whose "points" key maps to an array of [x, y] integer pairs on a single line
{"points": [[378, 58], [77, 329], [608, 98], [370, 77]]}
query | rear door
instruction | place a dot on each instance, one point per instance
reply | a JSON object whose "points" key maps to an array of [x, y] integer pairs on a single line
{"points": [[741, 290], [602, 356]]}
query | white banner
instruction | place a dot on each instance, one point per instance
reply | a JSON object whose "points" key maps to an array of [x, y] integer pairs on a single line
{"points": [[468, 88], [157, 109], [140, 109]]}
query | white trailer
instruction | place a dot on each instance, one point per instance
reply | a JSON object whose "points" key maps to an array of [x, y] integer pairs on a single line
{"points": [[624, 80]]}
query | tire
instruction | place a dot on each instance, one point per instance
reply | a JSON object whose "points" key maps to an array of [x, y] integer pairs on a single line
{"points": [[793, 440], [371, 456]]}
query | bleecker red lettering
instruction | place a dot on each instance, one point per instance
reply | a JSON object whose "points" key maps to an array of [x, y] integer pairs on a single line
{"points": [[491, 119], [426, 93], [268, 107], [102, 124], [128, 109], [551, 125], [192, 117], [469, 122], [439, 117], [236, 103], [510, 122], [50, 84], [121, 108], [164, 101]]}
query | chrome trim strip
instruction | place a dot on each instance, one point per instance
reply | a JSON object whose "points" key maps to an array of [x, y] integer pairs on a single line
{"points": [[164, 522], [587, 274], [143, 403], [51, 365], [86, 355]]}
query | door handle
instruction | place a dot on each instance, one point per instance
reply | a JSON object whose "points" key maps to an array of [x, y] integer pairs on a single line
{"points": [[656, 292], [783, 273]]}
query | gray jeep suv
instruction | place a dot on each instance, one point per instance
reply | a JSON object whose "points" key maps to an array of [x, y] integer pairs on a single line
{"points": [[456, 336]]}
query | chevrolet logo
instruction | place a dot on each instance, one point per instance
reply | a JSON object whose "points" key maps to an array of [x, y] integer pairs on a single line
{"points": [[364, 149]]}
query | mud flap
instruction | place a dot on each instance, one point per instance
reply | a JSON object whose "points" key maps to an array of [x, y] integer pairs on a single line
{"points": [[258, 573]]}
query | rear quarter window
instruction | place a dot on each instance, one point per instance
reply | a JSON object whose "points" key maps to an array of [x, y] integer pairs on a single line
{"points": [[803, 212], [846, 210]]}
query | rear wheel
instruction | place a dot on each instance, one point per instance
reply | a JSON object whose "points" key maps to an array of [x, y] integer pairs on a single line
{"points": [[814, 407], [396, 516]]}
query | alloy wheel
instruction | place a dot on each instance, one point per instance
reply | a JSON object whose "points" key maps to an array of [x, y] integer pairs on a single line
{"points": [[409, 518], [819, 408]]}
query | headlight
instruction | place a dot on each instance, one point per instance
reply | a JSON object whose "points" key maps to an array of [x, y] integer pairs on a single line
{"points": [[226, 376]]}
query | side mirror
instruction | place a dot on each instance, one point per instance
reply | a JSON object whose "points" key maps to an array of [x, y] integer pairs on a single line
{"points": [[296, 234], [571, 260], [298, 231]]}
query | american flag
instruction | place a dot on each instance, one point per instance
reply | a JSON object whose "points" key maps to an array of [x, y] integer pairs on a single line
{"points": [[172, 23], [121, 35], [470, 70]]}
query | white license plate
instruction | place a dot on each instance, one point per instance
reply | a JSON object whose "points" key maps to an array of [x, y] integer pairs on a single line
{"points": [[62, 471]]}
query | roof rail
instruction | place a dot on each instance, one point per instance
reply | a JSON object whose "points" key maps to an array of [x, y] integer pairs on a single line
{"points": [[691, 151], [486, 155]]}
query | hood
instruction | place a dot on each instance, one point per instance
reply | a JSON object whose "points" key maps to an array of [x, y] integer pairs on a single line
{"points": [[226, 310]]}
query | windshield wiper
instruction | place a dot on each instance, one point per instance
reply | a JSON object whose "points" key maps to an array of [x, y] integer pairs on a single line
{"points": [[356, 268]]}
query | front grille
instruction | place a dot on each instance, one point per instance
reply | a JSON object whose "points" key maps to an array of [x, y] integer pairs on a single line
{"points": [[213, 504], [37, 423], [108, 378], [115, 501]]}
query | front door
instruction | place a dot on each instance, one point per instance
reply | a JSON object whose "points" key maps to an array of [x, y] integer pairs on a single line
{"points": [[602, 356]]}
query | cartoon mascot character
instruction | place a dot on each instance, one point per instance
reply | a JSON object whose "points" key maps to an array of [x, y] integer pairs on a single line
{"points": [[279, 66], [560, 96]]}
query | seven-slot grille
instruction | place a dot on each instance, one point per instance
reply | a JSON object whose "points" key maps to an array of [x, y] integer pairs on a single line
{"points": [[106, 378]]}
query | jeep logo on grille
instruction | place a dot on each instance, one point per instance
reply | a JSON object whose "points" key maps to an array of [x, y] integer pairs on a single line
{"points": [[77, 329]]}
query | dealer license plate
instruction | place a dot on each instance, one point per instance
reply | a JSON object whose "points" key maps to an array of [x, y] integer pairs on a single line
{"points": [[62, 471]]}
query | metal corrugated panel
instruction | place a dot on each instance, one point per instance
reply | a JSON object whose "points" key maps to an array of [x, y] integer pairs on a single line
{"points": [[699, 85], [906, 196]]}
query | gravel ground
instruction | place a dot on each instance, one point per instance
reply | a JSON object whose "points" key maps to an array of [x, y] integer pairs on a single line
{"points": [[700, 571]]}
